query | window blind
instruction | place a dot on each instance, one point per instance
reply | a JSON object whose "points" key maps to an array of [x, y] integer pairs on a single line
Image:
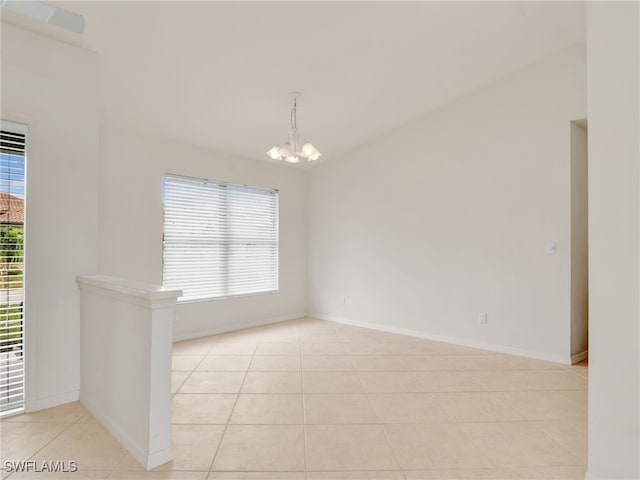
{"points": [[220, 239], [12, 189]]}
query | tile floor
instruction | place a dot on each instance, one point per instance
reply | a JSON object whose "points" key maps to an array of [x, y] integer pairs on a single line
{"points": [[314, 400]]}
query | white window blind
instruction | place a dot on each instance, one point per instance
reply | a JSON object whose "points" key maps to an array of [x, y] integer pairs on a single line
{"points": [[12, 190], [220, 239]]}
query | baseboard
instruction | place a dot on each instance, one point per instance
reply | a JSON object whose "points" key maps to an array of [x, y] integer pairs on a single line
{"points": [[550, 357], [147, 460], [52, 401], [214, 330], [578, 357]]}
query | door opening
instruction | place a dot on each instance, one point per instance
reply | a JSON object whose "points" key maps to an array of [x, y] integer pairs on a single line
{"points": [[579, 243]]}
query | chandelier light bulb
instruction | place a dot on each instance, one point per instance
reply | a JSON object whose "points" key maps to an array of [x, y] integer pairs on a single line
{"points": [[308, 150], [285, 152], [274, 153]]}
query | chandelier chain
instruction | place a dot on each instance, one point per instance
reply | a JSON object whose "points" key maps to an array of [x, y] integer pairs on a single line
{"points": [[293, 119]]}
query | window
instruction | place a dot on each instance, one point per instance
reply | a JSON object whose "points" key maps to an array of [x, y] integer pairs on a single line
{"points": [[220, 240], [12, 189]]}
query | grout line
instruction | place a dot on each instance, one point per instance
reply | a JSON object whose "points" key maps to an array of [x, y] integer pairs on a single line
{"points": [[304, 411], [384, 431], [224, 431]]}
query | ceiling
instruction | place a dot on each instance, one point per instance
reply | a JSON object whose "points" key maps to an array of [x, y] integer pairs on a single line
{"points": [[218, 74]]}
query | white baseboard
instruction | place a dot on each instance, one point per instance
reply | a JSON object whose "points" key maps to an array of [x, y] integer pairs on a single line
{"points": [[147, 460], [52, 401], [578, 357], [214, 330], [550, 357]]}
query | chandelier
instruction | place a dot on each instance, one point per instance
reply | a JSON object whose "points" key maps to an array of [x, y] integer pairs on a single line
{"points": [[294, 149]]}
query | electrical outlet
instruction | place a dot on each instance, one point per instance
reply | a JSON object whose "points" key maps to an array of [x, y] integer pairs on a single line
{"points": [[482, 319], [343, 300]]}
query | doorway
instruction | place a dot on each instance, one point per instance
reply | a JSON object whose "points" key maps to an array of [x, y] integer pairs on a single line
{"points": [[579, 242]]}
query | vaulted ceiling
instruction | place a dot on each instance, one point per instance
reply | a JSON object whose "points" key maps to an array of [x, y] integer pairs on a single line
{"points": [[218, 74]]}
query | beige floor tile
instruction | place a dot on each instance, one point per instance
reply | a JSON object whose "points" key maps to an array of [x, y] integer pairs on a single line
{"points": [[543, 405], [450, 474], [338, 408], [89, 444], [411, 348], [475, 407], [198, 346], [272, 382], [378, 363], [579, 370], [540, 473], [177, 475], [213, 382], [257, 476], [268, 409], [177, 379], [225, 363], [367, 348], [130, 464], [193, 446], [433, 446], [67, 413], [357, 475], [441, 348], [530, 380], [277, 337], [348, 447], [380, 382], [517, 444], [202, 408], [465, 384], [275, 348], [323, 349], [87, 418], [275, 363], [326, 363], [524, 363], [20, 440], [368, 337], [233, 348], [84, 475], [407, 408], [571, 434], [317, 326], [474, 362], [448, 362], [331, 382], [247, 335], [579, 397], [261, 448], [344, 328], [185, 363], [309, 337], [447, 381]]}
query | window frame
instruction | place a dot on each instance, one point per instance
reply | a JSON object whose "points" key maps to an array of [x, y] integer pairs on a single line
{"points": [[276, 242]]}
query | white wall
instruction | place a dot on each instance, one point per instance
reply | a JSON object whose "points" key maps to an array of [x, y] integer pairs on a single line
{"points": [[448, 216], [130, 224], [53, 87], [613, 57], [579, 242]]}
